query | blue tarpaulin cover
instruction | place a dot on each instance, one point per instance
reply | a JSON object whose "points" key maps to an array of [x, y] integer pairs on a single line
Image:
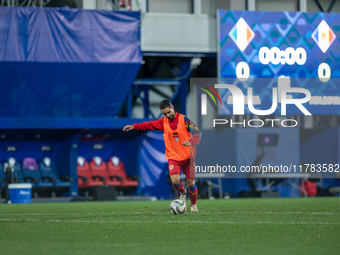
{"points": [[61, 65]]}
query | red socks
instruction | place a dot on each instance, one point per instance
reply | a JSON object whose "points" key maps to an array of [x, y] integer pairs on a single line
{"points": [[180, 187], [192, 192], [193, 195]]}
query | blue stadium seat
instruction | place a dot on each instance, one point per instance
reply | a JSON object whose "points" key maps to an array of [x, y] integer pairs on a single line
{"points": [[47, 172], [16, 174], [31, 174]]}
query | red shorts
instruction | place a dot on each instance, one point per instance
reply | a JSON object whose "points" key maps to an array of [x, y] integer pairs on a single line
{"points": [[188, 167]]}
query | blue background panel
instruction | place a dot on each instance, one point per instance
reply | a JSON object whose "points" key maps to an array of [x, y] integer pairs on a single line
{"points": [[66, 64], [61, 35]]}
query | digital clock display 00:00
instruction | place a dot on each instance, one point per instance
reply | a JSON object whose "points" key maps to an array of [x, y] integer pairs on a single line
{"points": [[289, 56]]}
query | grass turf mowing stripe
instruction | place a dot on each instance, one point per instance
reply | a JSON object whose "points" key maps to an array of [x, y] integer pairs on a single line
{"points": [[235, 226], [132, 213]]}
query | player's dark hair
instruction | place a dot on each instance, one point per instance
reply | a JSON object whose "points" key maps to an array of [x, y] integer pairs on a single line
{"points": [[164, 104]]}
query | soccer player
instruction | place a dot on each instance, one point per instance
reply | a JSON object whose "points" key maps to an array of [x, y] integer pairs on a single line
{"points": [[180, 137]]}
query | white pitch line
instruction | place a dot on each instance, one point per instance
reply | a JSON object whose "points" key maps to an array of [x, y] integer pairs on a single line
{"points": [[166, 222], [54, 220], [166, 212]]}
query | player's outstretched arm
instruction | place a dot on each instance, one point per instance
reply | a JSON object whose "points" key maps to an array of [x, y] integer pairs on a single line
{"points": [[149, 125], [128, 128]]}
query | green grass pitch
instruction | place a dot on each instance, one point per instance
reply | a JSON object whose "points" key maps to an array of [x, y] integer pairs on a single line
{"points": [[235, 226]]}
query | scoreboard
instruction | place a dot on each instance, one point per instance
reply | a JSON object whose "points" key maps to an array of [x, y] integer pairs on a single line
{"points": [[257, 48]]}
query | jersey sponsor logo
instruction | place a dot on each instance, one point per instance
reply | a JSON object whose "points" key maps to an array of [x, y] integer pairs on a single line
{"points": [[175, 136]]}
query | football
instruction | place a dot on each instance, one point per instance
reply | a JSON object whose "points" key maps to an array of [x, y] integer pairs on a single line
{"points": [[178, 206]]}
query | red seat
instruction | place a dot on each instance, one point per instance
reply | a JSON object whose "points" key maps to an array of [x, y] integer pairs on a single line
{"points": [[99, 170], [116, 169], [84, 175]]}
